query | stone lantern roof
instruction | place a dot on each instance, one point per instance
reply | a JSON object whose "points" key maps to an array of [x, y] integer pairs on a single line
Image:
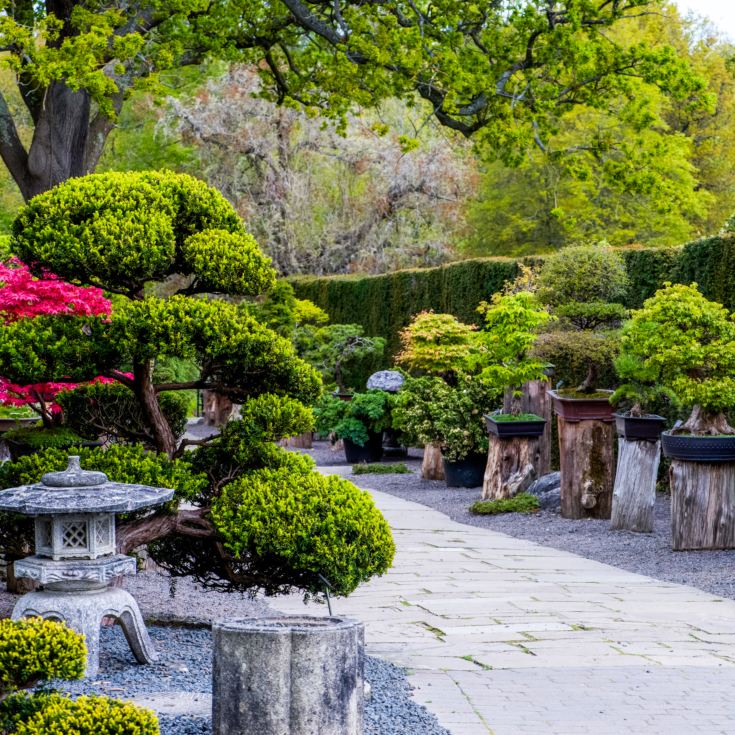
{"points": [[80, 491]]}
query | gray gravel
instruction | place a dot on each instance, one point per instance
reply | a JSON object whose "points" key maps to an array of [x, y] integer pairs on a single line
{"points": [[185, 666], [649, 554]]}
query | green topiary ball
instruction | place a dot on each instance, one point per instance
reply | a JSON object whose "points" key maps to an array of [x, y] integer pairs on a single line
{"points": [[310, 523], [58, 715], [35, 650]]}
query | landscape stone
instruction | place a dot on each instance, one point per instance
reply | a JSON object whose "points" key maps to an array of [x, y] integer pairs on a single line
{"points": [[390, 381]]}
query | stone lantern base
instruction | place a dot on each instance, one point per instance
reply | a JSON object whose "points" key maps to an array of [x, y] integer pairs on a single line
{"points": [[76, 593]]}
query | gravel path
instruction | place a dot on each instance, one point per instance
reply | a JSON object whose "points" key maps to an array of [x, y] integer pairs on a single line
{"points": [[185, 667], [649, 554]]}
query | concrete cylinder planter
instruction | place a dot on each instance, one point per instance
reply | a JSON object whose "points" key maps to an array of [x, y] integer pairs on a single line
{"points": [[289, 675]]}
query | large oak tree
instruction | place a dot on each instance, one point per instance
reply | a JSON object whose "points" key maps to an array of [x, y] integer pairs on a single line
{"points": [[494, 69]]}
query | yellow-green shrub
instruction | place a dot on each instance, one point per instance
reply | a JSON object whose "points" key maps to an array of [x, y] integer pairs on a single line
{"points": [[34, 650], [58, 715]]}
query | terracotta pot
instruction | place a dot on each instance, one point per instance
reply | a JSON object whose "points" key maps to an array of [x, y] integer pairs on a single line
{"points": [[639, 428], [692, 448], [583, 409], [510, 429]]}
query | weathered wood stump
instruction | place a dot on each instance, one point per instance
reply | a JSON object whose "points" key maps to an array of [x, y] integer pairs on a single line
{"points": [[300, 441], [432, 467], [586, 452], [634, 495], [702, 505], [511, 466], [536, 399]]}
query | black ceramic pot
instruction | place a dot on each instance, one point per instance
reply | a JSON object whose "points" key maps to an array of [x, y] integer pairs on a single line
{"points": [[467, 472], [392, 447], [510, 429], [639, 428], [690, 448], [371, 452]]}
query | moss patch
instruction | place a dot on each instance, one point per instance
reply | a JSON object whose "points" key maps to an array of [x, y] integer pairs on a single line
{"points": [[521, 503], [380, 469]]}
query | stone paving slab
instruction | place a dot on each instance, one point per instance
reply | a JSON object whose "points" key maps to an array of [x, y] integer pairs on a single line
{"points": [[502, 636]]}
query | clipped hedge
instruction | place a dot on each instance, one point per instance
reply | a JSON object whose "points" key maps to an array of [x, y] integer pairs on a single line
{"points": [[385, 304]]}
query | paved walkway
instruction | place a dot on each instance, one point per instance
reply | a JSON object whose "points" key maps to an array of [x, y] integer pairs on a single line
{"points": [[503, 636]]}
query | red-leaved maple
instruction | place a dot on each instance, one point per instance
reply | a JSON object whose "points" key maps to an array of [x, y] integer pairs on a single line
{"points": [[23, 296]]}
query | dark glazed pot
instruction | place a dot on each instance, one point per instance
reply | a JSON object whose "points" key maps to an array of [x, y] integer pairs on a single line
{"points": [[371, 452], [510, 429], [392, 447], [690, 448], [639, 428], [468, 472], [583, 409]]}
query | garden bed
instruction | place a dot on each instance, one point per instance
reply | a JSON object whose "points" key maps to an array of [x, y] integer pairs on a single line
{"points": [[649, 554]]}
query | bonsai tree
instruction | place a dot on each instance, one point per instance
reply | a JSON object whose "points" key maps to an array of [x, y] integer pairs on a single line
{"points": [[138, 236], [35, 651], [355, 420], [581, 285], [427, 410], [512, 321], [437, 344], [683, 346]]}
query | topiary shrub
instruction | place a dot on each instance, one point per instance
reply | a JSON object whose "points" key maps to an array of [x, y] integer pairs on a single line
{"points": [[33, 651], [339, 535], [355, 420], [38, 437], [57, 715]]}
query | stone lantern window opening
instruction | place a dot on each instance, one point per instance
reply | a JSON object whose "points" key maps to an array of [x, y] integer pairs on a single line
{"points": [[75, 536]]}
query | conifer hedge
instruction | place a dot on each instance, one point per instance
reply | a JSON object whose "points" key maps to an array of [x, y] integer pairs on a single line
{"points": [[385, 304]]}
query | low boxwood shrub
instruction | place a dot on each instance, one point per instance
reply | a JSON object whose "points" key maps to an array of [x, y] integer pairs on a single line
{"points": [[319, 527], [33, 651], [58, 715], [521, 503]]}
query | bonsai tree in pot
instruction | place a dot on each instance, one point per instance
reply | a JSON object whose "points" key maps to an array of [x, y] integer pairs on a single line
{"points": [[581, 285], [429, 411], [686, 344], [441, 346], [359, 423], [512, 321]]}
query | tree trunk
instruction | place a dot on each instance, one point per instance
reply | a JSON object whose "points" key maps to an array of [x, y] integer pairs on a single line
{"points": [[702, 505], [218, 409], [586, 459], [702, 423], [634, 495], [164, 438], [511, 466], [59, 141], [131, 535], [432, 467], [536, 399]]}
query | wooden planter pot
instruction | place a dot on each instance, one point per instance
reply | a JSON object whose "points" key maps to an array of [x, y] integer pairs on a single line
{"points": [[702, 478], [586, 449]]}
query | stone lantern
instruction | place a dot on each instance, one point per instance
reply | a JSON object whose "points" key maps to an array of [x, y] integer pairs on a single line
{"points": [[75, 559]]}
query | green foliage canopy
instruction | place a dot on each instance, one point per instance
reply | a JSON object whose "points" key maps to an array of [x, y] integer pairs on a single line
{"points": [[686, 344]]}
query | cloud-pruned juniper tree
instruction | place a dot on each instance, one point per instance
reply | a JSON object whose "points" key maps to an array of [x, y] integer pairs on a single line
{"points": [[498, 70], [257, 516]]}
